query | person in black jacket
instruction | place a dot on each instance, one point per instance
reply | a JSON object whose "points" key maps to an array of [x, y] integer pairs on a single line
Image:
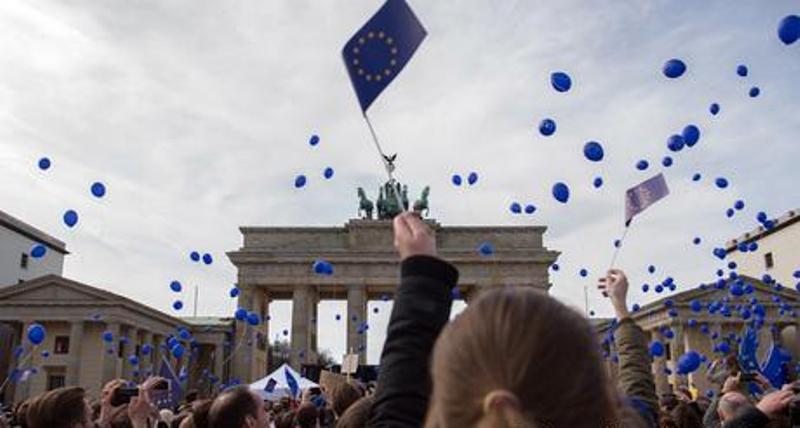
{"points": [[514, 357]]}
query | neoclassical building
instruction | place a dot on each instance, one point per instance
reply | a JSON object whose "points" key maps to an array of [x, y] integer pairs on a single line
{"points": [[76, 316], [702, 331], [276, 263]]}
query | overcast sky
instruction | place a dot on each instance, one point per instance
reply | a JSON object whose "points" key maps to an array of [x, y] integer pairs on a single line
{"points": [[196, 115]]}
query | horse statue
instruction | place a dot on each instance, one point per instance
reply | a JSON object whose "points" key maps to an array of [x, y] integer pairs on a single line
{"points": [[364, 205], [421, 205]]}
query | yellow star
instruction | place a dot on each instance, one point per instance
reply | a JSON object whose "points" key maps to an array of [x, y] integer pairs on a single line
{"points": [[370, 34], [381, 35], [393, 62], [361, 40], [355, 61], [394, 51], [356, 51], [369, 77], [387, 72], [389, 40], [360, 71], [378, 77]]}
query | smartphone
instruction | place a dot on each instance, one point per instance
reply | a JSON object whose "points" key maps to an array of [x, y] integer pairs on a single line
{"points": [[123, 395], [748, 377]]}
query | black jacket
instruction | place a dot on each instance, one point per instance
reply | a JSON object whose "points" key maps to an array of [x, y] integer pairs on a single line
{"points": [[752, 418], [421, 310]]}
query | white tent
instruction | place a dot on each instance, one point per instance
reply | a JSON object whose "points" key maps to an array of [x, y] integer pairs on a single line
{"points": [[281, 388]]}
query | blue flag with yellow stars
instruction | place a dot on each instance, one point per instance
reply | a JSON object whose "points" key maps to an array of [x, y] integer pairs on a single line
{"points": [[375, 55]]}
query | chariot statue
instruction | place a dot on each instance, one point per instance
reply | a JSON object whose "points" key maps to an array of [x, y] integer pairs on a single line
{"points": [[392, 200]]}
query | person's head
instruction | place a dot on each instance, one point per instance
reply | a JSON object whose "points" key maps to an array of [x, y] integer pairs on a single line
{"points": [[198, 417], [356, 415], [237, 407], [192, 395], [60, 408], [731, 405], [686, 417], [549, 372], [307, 416], [342, 395]]}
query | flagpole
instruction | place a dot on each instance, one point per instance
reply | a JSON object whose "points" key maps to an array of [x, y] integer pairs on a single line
{"points": [[386, 163], [619, 247]]}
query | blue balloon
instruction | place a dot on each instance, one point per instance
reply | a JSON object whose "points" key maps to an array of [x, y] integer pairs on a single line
{"points": [[714, 109], [583, 273], [688, 362], [651, 269], [240, 314], [338, 317], [697, 240], [134, 360], [561, 192], [789, 29], [696, 306], [547, 127], [456, 179], [234, 292], [642, 165], [486, 249], [36, 333], [108, 336], [730, 212], [70, 218], [38, 251], [178, 350], [300, 181], [45, 354], [314, 140], [675, 143], [645, 288], [636, 307], [593, 151], [697, 177], [194, 256], [667, 162], [328, 173], [44, 164], [561, 81], [98, 189], [741, 70], [530, 209], [738, 205], [515, 208], [322, 267], [754, 92], [175, 286], [656, 349], [207, 259], [597, 182], [253, 318], [285, 332], [184, 334], [674, 68], [472, 178], [761, 217], [691, 135], [659, 288], [721, 182], [147, 349], [177, 305]]}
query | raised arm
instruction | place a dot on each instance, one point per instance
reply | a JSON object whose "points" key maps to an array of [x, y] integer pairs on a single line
{"points": [[635, 376], [421, 309]]}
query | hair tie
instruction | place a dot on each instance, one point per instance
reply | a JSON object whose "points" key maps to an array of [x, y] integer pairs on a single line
{"points": [[499, 398]]}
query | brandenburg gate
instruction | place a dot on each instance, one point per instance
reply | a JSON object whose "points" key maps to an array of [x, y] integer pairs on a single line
{"points": [[276, 263]]}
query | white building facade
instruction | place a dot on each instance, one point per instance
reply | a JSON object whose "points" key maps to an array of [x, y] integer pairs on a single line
{"points": [[777, 253], [17, 239]]}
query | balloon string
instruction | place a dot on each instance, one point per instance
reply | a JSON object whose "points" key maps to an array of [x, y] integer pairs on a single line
{"points": [[238, 345], [619, 247], [386, 163]]}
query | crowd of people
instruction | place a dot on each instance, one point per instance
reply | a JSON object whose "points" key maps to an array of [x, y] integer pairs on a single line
{"points": [[514, 358]]}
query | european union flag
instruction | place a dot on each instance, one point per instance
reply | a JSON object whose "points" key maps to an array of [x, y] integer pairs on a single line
{"points": [[640, 197], [377, 53], [292, 382]]}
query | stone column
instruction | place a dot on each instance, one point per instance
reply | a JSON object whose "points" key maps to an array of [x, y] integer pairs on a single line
{"points": [[133, 340], [74, 357], [677, 349], [146, 361], [658, 366], [301, 326], [22, 390], [242, 344], [356, 319], [110, 360], [219, 360]]}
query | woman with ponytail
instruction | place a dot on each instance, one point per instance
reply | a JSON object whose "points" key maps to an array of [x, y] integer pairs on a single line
{"points": [[514, 358]]}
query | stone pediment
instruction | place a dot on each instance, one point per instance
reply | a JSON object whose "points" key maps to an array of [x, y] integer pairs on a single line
{"points": [[53, 289], [762, 292]]}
